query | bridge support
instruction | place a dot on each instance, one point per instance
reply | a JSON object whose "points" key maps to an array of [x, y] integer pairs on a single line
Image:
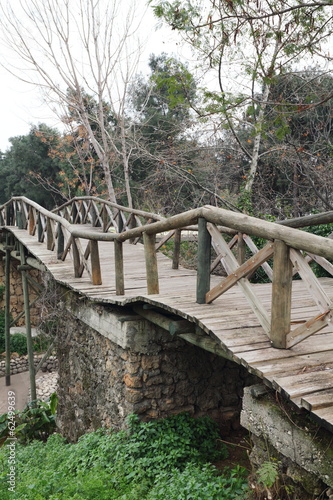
{"points": [[28, 325], [8, 249]]}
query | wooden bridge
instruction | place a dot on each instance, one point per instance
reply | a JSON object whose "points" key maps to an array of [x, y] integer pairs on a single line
{"points": [[280, 331]]}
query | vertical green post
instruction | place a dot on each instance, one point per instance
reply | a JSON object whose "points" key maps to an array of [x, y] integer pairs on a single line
{"points": [[203, 259], [176, 250], [7, 309], [25, 287]]}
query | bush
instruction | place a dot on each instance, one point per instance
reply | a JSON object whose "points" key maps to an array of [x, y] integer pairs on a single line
{"points": [[18, 343], [164, 459], [36, 421]]}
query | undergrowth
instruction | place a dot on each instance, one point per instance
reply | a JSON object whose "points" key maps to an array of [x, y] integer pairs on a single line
{"points": [[163, 459]]}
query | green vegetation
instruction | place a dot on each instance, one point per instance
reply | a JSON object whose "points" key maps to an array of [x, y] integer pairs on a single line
{"points": [[164, 459], [36, 421], [18, 341]]}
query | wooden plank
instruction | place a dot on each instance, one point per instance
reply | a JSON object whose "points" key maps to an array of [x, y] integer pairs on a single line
{"points": [[324, 263], [232, 264], [308, 328], [241, 272], [266, 267], [318, 400], [310, 280]]}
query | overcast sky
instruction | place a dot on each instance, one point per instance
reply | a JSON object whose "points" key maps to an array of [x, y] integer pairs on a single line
{"points": [[21, 104]]}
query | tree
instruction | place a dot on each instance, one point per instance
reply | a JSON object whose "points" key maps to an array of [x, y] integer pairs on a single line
{"points": [[297, 150], [249, 44], [64, 47], [170, 167], [28, 160]]}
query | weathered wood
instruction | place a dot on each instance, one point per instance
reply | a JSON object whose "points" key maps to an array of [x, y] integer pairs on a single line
{"points": [[49, 235], [241, 249], [310, 280], [151, 263], [176, 250], [231, 264], [308, 328], [281, 295], [31, 220], [265, 266], [203, 259], [60, 242], [324, 263], [40, 229], [95, 263], [165, 238], [119, 267], [76, 259], [241, 272]]}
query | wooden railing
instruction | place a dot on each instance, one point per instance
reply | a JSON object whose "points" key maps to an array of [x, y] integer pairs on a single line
{"points": [[71, 228]]}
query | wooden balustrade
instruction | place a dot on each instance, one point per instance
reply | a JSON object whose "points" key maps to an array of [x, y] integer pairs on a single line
{"points": [[71, 228]]}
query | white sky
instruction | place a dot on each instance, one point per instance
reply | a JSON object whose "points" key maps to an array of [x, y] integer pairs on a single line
{"points": [[22, 106]]}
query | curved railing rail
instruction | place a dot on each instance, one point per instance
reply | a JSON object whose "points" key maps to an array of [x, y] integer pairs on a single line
{"points": [[88, 220]]}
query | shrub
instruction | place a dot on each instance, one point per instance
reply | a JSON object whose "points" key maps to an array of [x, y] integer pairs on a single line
{"points": [[36, 421], [153, 460]]}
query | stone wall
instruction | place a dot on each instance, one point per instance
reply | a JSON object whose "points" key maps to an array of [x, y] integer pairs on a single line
{"points": [[102, 382], [16, 292], [19, 364], [303, 449]]}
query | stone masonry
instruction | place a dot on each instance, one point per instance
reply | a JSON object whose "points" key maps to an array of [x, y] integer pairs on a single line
{"points": [[153, 374]]}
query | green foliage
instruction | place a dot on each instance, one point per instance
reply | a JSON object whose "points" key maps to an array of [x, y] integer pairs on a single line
{"points": [[36, 421], [188, 252], [268, 473], [30, 153], [18, 343], [200, 483], [154, 460]]}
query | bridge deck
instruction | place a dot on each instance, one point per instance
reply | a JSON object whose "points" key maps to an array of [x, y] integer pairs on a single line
{"points": [[303, 373]]}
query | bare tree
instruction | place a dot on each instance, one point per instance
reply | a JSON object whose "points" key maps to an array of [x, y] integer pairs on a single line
{"points": [[72, 49]]}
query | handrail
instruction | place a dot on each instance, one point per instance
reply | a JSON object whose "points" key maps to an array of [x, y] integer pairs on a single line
{"points": [[239, 222], [286, 246]]}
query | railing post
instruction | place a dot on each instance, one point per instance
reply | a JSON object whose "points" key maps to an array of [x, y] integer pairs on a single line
{"points": [[7, 308], [119, 267], [49, 235], [25, 288], [104, 219], [40, 228], [76, 259], [60, 242], [176, 249], [31, 220], [9, 214], [151, 263], [241, 249], [204, 254], [95, 263], [281, 295]]}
